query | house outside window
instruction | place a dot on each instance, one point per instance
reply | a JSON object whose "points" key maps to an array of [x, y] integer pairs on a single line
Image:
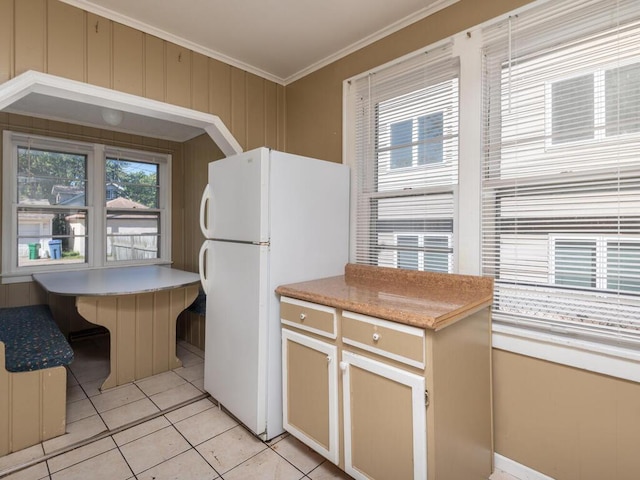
{"points": [[598, 262], [588, 107], [418, 142], [72, 205], [561, 186], [424, 252], [407, 162]]}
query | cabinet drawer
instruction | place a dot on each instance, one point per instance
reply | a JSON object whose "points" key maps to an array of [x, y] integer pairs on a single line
{"points": [[396, 341], [308, 316]]}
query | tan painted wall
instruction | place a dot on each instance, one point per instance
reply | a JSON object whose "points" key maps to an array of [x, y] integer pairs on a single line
{"points": [[52, 37], [314, 103], [567, 423]]}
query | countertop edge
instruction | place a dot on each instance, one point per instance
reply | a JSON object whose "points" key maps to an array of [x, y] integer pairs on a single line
{"points": [[393, 315]]}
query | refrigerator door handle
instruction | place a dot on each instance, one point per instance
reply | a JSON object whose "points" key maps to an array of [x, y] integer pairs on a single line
{"points": [[201, 266], [206, 197]]}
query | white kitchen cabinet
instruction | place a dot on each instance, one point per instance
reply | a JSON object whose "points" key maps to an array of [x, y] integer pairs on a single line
{"points": [[384, 420], [310, 376], [310, 388], [383, 424], [385, 399]]}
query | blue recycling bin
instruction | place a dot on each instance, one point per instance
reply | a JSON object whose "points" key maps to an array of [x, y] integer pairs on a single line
{"points": [[55, 249]]}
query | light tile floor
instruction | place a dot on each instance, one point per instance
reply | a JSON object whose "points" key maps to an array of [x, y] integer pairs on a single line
{"points": [[185, 435]]}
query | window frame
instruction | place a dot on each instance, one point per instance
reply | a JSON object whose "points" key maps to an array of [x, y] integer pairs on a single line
{"points": [[609, 359], [555, 343], [95, 203], [372, 193]]}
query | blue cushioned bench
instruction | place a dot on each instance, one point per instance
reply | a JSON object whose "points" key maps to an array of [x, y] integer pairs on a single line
{"points": [[33, 377], [32, 339]]}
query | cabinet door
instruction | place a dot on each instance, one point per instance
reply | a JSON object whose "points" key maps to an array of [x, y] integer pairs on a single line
{"points": [[385, 430], [310, 392]]}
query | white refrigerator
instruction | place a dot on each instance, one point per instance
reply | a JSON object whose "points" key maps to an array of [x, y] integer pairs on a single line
{"points": [[269, 218]]}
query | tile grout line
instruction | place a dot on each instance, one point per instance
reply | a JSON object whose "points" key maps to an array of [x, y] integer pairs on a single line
{"points": [[191, 447], [99, 436]]}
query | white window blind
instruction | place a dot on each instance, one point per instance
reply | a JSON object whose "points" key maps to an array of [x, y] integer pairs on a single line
{"points": [[406, 161], [561, 171]]}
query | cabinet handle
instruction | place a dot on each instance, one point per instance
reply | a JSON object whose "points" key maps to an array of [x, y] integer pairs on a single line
{"points": [[343, 366], [376, 337], [302, 317], [328, 359]]}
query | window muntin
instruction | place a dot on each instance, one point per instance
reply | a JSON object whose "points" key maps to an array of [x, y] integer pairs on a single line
{"points": [[58, 216]]}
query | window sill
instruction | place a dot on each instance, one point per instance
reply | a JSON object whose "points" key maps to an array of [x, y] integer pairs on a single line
{"points": [[615, 361]]}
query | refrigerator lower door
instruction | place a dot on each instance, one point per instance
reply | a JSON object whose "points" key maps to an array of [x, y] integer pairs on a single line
{"points": [[235, 371]]}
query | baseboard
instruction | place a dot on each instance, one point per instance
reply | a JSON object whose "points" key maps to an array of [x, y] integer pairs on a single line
{"points": [[516, 469]]}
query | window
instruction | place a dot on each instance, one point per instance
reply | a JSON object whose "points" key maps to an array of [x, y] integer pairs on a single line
{"points": [[588, 107], [77, 205], [573, 116], [427, 148], [604, 263], [133, 217], [561, 172], [424, 252], [50, 187], [406, 161]]}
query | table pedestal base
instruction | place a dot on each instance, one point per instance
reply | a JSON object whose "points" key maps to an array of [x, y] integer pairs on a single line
{"points": [[142, 328]]}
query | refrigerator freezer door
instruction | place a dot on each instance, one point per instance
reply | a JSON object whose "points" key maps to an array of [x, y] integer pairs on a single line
{"points": [[236, 334], [238, 207]]}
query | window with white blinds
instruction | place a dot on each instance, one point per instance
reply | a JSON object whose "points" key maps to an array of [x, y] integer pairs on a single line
{"points": [[406, 161], [561, 169]]}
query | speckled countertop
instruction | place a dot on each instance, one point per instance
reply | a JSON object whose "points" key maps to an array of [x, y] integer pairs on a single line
{"points": [[422, 299]]}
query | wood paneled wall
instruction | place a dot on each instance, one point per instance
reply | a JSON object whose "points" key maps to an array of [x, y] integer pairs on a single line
{"points": [[53, 37]]}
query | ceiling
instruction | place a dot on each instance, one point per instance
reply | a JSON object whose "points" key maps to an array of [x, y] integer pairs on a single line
{"points": [[281, 40]]}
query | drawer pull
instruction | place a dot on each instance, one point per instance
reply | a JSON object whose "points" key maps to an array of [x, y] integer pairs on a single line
{"points": [[376, 337], [302, 317]]}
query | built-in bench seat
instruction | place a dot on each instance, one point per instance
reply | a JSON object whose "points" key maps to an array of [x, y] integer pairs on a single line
{"points": [[33, 377], [199, 305]]}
